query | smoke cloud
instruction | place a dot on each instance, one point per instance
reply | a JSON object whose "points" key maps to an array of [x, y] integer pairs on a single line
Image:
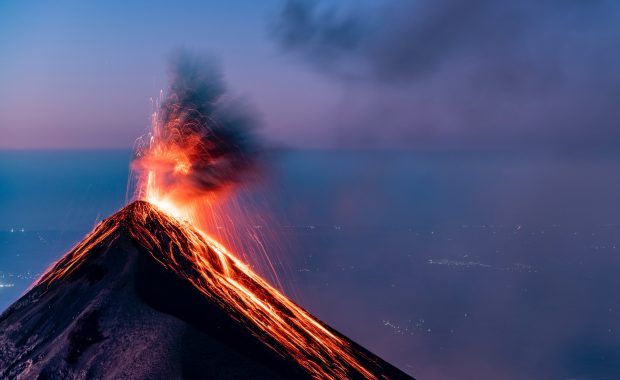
{"points": [[202, 140], [473, 72]]}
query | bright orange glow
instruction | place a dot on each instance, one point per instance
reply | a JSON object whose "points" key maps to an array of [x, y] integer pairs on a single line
{"points": [[193, 254], [222, 276], [224, 279]]}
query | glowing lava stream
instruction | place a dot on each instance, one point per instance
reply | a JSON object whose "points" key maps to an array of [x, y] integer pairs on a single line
{"points": [[235, 286], [223, 278], [190, 160]]}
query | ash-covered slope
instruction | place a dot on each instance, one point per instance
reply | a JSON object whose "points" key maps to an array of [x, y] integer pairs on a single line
{"points": [[129, 303]]}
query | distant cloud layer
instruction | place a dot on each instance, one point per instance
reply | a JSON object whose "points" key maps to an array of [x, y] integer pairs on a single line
{"points": [[476, 72]]}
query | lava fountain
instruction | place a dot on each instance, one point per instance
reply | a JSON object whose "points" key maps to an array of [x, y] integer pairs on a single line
{"points": [[200, 144], [199, 148]]}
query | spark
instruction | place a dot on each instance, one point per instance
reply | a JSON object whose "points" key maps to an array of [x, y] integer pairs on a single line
{"points": [[165, 198], [183, 169]]}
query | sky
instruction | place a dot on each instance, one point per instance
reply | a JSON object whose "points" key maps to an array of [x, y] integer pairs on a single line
{"points": [[396, 74]]}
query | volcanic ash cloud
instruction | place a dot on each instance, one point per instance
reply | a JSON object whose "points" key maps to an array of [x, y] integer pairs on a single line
{"points": [[201, 141]]}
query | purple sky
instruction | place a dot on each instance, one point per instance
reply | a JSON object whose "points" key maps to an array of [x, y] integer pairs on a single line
{"points": [[80, 76], [447, 74]]}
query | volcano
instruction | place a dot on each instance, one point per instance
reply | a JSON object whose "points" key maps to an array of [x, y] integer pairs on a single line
{"points": [[147, 296]]}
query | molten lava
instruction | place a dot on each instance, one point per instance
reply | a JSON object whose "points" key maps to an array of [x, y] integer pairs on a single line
{"points": [[184, 168], [223, 278]]}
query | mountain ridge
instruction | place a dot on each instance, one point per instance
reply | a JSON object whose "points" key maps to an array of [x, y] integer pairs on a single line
{"points": [[119, 306]]}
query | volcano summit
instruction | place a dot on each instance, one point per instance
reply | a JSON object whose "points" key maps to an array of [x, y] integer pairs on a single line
{"points": [[145, 295]]}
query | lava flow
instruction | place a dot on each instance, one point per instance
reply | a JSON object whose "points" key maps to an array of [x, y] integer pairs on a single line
{"points": [[191, 158], [220, 276]]}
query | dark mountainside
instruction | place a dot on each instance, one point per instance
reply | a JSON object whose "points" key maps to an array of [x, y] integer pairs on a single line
{"points": [[120, 314]]}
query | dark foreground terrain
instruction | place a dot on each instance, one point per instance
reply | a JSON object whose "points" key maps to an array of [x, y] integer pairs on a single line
{"points": [[121, 314]]}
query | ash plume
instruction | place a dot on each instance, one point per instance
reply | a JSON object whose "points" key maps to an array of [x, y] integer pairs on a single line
{"points": [[458, 73], [202, 140]]}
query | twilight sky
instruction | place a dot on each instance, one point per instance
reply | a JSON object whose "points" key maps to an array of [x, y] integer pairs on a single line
{"points": [[487, 74]]}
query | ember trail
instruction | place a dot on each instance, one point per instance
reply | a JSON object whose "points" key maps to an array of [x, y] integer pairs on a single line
{"points": [[195, 153], [200, 144], [220, 276]]}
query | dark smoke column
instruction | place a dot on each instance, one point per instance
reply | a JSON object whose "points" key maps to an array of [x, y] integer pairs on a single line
{"points": [[200, 141]]}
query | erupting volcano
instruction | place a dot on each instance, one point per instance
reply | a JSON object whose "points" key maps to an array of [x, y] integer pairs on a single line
{"points": [[149, 293]]}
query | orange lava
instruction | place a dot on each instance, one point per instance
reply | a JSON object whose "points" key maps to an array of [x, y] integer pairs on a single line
{"points": [[220, 276], [223, 277], [187, 249]]}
